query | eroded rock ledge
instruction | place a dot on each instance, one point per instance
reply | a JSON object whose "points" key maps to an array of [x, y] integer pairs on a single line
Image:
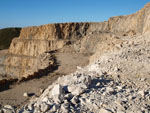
{"points": [[34, 41], [117, 79]]}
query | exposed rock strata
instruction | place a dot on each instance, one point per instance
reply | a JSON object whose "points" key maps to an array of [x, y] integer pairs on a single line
{"points": [[116, 81], [102, 86], [36, 40], [138, 22], [33, 42]]}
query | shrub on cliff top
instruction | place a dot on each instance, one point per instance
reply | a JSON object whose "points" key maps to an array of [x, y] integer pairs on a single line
{"points": [[6, 36]]}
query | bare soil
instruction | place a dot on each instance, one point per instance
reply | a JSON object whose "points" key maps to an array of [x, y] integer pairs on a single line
{"points": [[67, 63]]}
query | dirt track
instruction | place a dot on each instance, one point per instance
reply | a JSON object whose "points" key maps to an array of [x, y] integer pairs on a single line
{"points": [[67, 63]]}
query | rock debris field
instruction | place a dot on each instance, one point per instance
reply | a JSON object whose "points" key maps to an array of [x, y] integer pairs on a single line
{"points": [[117, 79], [101, 87]]}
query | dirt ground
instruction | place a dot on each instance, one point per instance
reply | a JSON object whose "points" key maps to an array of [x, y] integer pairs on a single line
{"points": [[67, 63]]}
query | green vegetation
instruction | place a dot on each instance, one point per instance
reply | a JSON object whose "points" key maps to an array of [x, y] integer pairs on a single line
{"points": [[6, 36]]}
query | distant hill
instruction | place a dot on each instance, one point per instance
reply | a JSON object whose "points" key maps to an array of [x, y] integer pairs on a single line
{"points": [[6, 36]]}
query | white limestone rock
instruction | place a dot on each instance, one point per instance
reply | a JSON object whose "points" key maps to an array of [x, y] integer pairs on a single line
{"points": [[57, 90], [25, 94], [9, 107], [77, 89], [74, 100], [102, 110], [142, 93], [44, 107]]}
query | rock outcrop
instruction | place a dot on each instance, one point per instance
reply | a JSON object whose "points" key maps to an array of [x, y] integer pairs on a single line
{"points": [[116, 81], [138, 22], [34, 41]]}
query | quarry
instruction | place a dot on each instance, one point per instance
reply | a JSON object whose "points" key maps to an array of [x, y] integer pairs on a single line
{"points": [[87, 67]]}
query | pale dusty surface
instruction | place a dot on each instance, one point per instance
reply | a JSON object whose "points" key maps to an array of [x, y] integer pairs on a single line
{"points": [[67, 63], [118, 71], [96, 87], [34, 41]]}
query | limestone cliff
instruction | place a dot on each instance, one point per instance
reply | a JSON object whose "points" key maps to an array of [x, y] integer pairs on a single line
{"points": [[36, 40], [24, 52], [138, 22], [55, 31]]}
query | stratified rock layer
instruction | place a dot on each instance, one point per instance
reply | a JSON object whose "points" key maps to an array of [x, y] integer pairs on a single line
{"points": [[34, 41], [118, 82]]}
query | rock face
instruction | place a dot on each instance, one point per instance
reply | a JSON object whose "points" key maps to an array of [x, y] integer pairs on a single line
{"points": [[34, 41], [137, 22], [117, 82], [55, 31]]}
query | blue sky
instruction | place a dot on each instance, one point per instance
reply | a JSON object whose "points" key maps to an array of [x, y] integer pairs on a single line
{"points": [[22, 13]]}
